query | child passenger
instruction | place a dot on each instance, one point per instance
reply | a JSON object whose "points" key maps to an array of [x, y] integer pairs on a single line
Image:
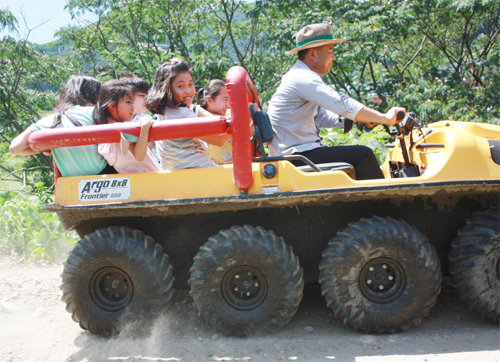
{"points": [[116, 104], [75, 108], [170, 97], [214, 98], [140, 89]]}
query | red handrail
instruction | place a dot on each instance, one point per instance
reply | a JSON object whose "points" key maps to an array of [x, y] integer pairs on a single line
{"points": [[110, 133], [239, 94]]}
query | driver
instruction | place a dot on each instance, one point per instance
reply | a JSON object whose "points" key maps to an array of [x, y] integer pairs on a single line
{"points": [[303, 104]]}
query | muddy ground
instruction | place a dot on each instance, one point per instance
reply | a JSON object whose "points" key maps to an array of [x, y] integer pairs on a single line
{"points": [[34, 326]]}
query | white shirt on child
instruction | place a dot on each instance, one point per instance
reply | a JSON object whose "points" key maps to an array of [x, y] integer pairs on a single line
{"points": [[182, 152]]}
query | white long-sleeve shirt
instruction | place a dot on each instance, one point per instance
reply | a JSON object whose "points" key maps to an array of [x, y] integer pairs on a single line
{"points": [[302, 105]]}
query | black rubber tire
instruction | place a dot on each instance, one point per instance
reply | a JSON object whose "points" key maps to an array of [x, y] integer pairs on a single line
{"points": [[255, 261], [475, 263], [113, 276], [380, 275]]}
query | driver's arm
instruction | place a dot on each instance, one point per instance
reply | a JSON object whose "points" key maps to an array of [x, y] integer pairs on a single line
{"points": [[369, 115], [327, 119]]}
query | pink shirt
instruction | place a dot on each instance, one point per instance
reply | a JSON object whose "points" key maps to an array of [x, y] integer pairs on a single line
{"points": [[125, 162]]}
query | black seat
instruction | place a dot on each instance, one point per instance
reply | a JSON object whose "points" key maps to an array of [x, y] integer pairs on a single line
{"points": [[331, 166], [263, 130], [264, 134]]}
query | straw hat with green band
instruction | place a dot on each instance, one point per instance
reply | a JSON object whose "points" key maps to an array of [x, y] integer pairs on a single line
{"points": [[312, 36]]}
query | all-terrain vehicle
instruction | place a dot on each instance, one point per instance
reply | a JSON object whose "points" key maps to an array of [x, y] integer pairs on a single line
{"points": [[245, 237]]}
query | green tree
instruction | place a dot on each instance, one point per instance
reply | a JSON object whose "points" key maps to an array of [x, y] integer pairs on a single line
{"points": [[437, 58], [30, 77]]}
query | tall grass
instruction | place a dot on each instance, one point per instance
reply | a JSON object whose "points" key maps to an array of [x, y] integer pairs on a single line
{"points": [[30, 233]]}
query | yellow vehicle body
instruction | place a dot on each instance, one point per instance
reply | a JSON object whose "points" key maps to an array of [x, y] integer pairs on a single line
{"points": [[448, 151], [459, 177], [246, 246]]}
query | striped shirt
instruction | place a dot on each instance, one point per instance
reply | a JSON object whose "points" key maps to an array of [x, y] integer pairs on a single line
{"points": [[182, 152]]}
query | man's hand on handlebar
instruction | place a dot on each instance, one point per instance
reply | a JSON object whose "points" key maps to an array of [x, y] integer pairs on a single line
{"points": [[370, 116], [394, 115]]}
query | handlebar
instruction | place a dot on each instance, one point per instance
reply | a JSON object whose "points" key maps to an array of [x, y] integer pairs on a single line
{"points": [[400, 116]]}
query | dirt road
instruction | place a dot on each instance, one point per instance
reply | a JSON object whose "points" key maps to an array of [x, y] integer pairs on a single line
{"points": [[35, 327]]}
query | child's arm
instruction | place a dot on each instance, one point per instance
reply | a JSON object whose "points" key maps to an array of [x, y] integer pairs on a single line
{"points": [[217, 140], [140, 148], [20, 145]]}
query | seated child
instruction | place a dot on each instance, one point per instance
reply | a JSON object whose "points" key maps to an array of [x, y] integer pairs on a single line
{"points": [[214, 98], [170, 98], [75, 108], [116, 104], [140, 90]]}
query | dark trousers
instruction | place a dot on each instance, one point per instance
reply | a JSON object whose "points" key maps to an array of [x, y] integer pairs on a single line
{"points": [[108, 170], [361, 158]]}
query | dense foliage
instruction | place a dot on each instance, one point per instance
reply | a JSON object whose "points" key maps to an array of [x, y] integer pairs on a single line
{"points": [[30, 233], [438, 58]]}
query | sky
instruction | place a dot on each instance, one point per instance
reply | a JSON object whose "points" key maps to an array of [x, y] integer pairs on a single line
{"points": [[44, 17]]}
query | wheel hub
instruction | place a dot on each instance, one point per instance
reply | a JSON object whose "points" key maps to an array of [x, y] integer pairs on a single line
{"points": [[111, 289], [382, 280], [244, 287]]}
